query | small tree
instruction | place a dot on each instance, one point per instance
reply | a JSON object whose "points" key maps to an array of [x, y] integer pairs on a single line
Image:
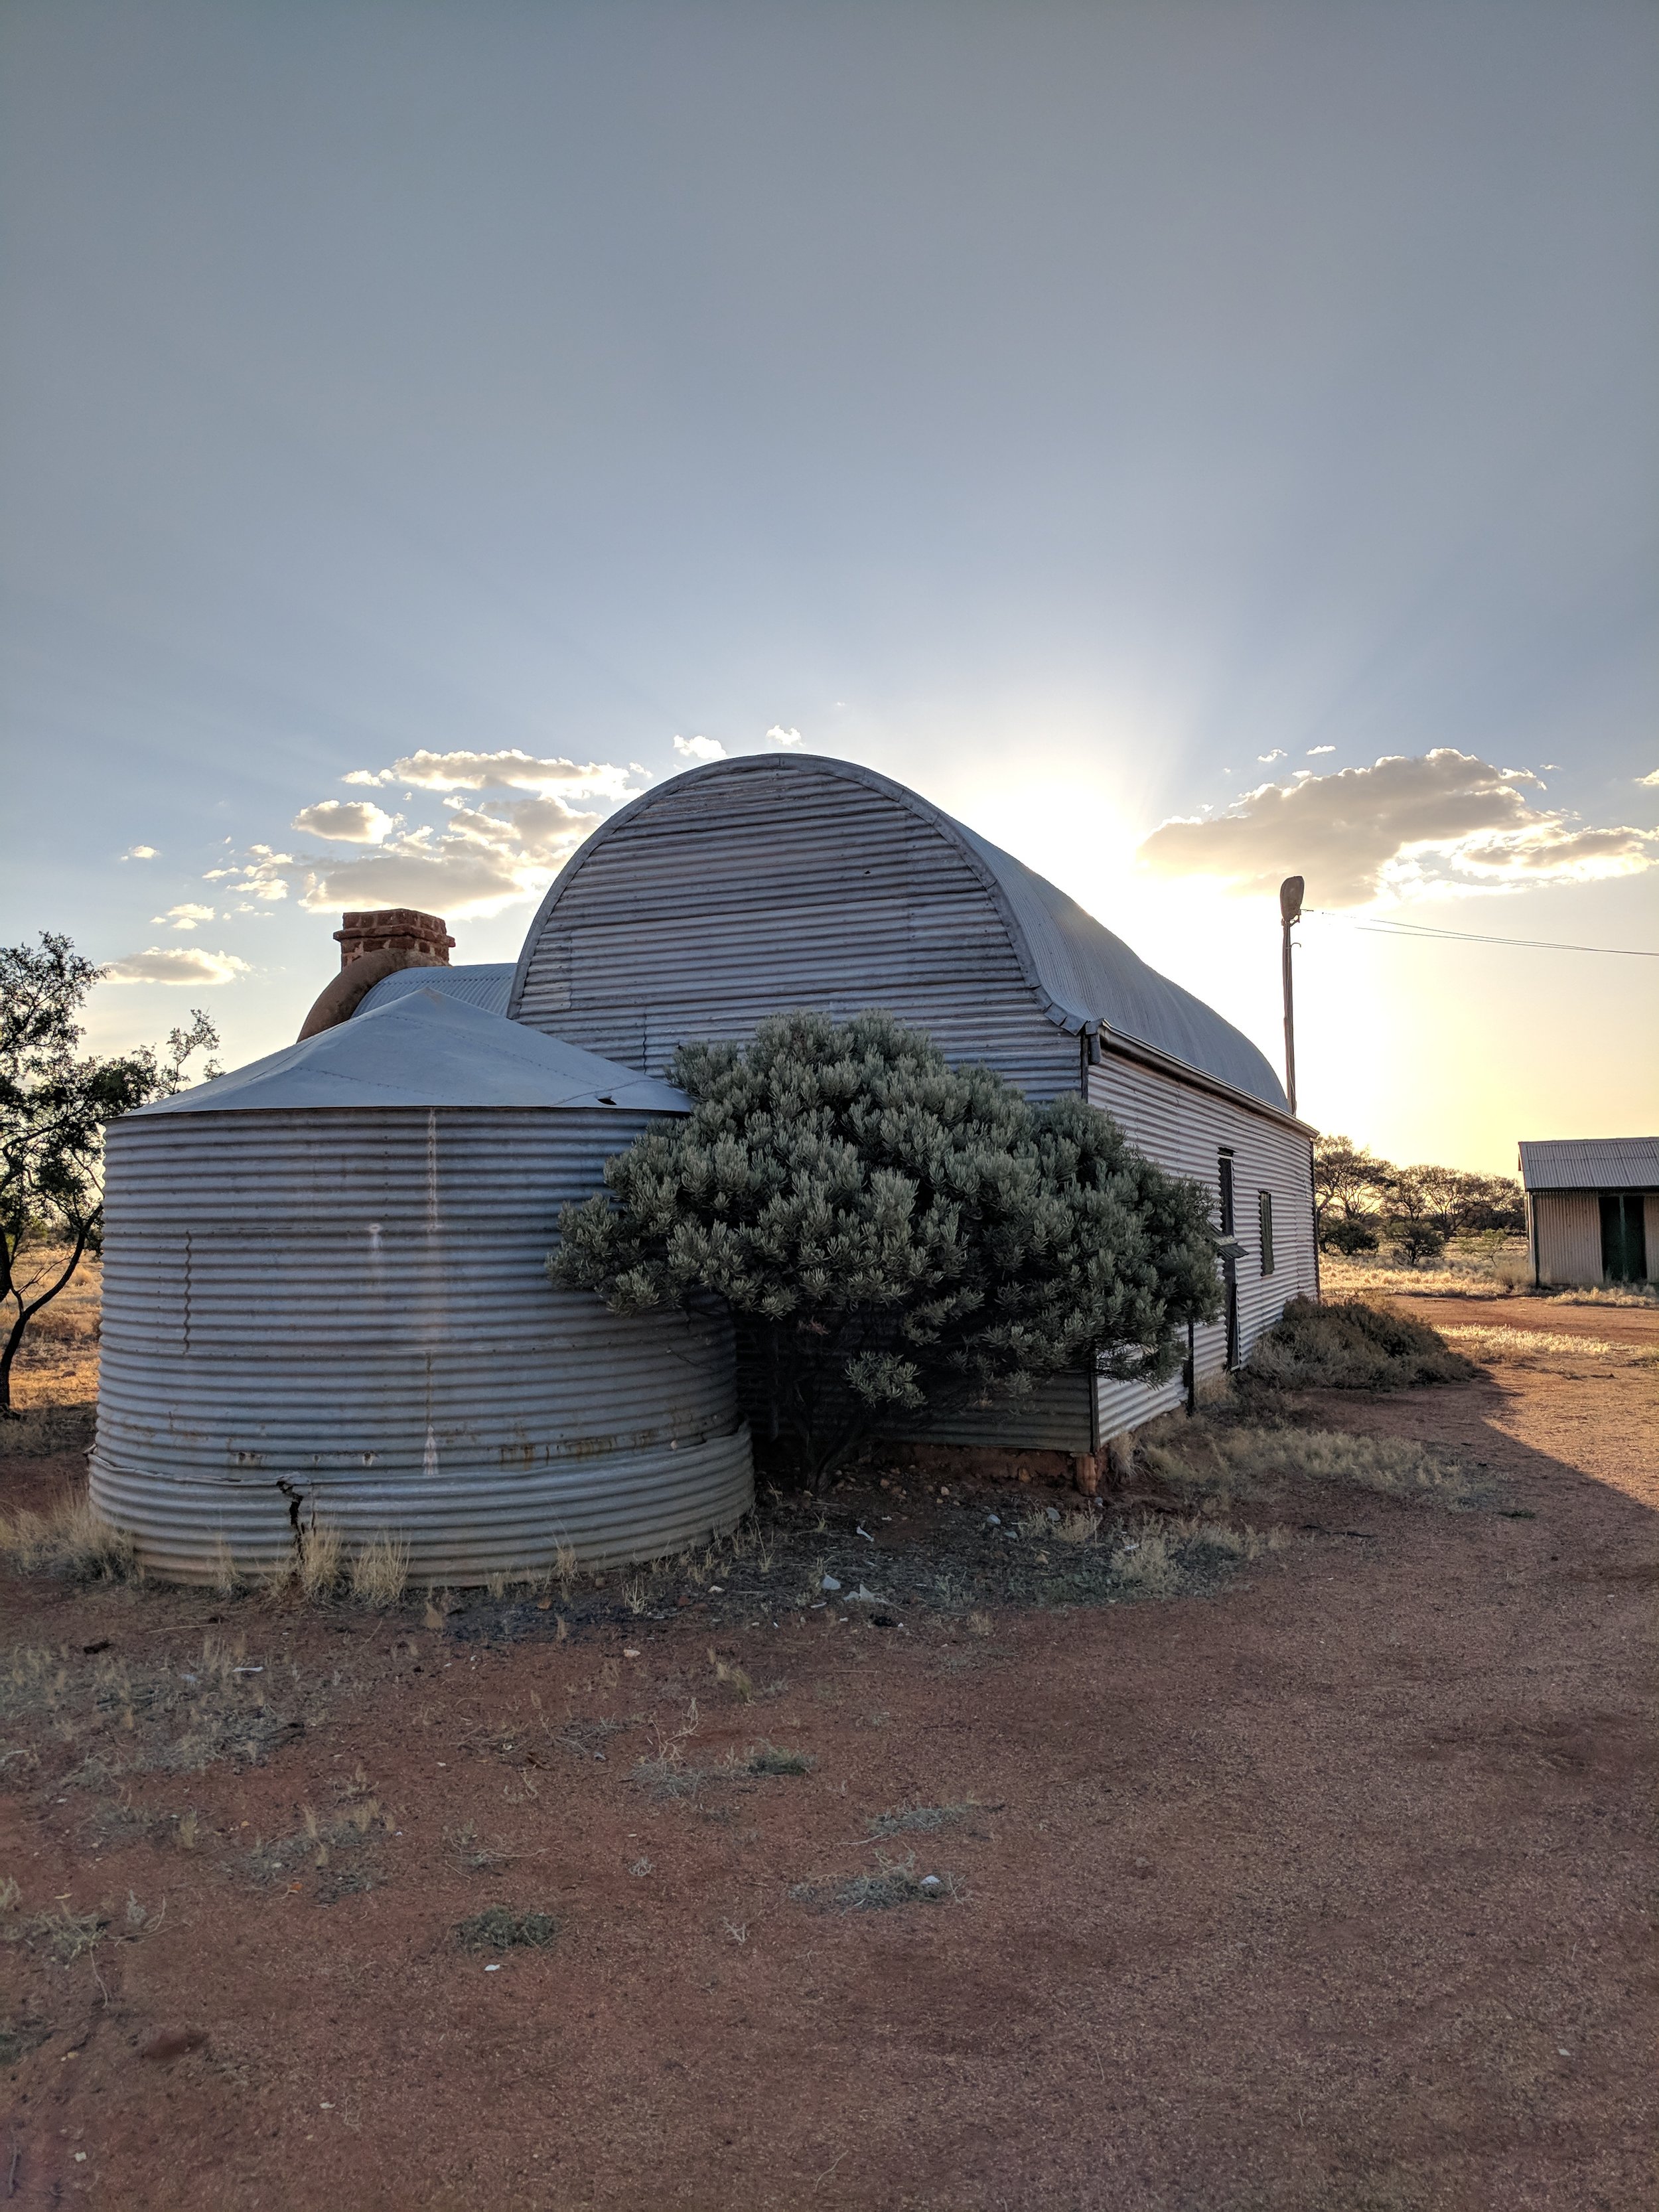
{"points": [[894, 1237], [54, 1106], [1414, 1217], [1350, 1185]]}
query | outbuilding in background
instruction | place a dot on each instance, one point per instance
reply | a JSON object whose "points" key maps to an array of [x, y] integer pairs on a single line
{"points": [[1592, 1208], [326, 1304]]}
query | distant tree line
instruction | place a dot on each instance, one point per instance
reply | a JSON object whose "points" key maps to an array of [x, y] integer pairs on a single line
{"points": [[1362, 1203]]}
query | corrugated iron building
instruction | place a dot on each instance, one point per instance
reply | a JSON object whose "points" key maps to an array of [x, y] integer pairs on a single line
{"points": [[1592, 1208], [325, 1302], [754, 886]]}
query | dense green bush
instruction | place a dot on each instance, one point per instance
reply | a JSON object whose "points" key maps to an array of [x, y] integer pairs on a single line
{"points": [[1350, 1345], [895, 1238]]}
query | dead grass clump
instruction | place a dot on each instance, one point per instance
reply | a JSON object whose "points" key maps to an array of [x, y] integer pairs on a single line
{"points": [[1350, 1344], [71, 1539], [1526, 1346], [319, 1568], [380, 1572], [1164, 1559], [667, 1776], [318, 1840], [894, 1882], [769, 1759], [127, 1717], [1228, 1463], [498, 1927], [922, 1819], [44, 1431], [68, 1936]]}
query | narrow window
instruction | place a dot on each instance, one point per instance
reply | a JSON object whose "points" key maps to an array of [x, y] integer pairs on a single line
{"points": [[1229, 1270], [1226, 1170], [1265, 1207]]}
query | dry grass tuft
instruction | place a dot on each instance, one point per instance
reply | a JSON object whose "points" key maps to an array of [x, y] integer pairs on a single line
{"points": [[379, 1571], [68, 1936], [921, 1820], [1224, 1464], [319, 1568], [895, 1881], [1351, 1345], [769, 1759], [1163, 1558], [498, 1927], [69, 1538], [731, 1676], [1496, 1343]]}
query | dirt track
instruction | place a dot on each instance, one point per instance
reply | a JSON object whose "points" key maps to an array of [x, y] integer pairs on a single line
{"points": [[1330, 1890]]}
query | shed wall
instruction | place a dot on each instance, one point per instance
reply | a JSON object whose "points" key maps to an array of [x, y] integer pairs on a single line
{"points": [[1568, 1228], [351, 1310], [757, 895], [1182, 1129], [1651, 1225]]}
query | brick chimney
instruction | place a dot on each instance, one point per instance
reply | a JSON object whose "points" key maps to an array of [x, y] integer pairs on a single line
{"points": [[372, 947], [421, 940]]}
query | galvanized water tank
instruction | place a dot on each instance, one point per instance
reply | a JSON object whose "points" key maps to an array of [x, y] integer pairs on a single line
{"points": [[325, 1302]]}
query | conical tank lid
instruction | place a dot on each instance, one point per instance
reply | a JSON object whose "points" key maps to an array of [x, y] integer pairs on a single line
{"points": [[424, 1049]]}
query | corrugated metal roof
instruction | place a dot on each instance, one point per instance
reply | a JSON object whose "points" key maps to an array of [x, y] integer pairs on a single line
{"points": [[485, 986], [426, 1049], [1590, 1164], [1077, 972], [1095, 976]]}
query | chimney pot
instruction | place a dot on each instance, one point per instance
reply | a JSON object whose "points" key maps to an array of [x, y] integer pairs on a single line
{"points": [[423, 940]]}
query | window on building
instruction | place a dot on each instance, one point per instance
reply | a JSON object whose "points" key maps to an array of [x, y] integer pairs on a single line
{"points": [[1264, 1201], [1226, 1168]]}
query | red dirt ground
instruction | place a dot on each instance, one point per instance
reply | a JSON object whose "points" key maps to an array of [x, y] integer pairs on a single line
{"points": [[1330, 1890]]}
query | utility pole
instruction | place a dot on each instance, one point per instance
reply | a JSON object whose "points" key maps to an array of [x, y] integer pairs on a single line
{"points": [[1290, 913]]}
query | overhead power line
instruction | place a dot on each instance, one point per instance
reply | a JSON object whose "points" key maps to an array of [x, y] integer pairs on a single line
{"points": [[1469, 937]]}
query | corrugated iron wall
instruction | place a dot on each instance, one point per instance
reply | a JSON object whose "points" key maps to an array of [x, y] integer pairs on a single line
{"points": [[753, 896], [346, 1314], [1568, 1227], [1183, 1128]]}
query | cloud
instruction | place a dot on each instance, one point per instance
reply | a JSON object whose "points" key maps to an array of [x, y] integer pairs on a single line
{"points": [[185, 917], [700, 749], [1442, 822], [185, 964], [347, 821], [481, 860], [1650, 782], [504, 771], [1278, 753], [1313, 750], [139, 853], [777, 735]]}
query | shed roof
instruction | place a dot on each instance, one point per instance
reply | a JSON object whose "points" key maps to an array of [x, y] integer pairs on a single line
{"points": [[485, 986], [1080, 973], [1590, 1164], [423, 1048]]}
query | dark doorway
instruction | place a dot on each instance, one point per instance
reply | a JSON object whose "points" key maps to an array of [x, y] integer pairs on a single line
{"points": [[1624, 1238]]}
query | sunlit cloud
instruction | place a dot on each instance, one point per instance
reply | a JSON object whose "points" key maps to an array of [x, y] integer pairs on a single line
{"points": [[700, 749], [777, 735], [185, 917], [187, 964], [1443, 822], [511, 770], [139, 853], [1278, 753], [347, 821], [1315, 749], [1650, 782]]}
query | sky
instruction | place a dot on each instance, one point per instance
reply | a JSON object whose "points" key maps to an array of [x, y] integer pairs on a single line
{"points": [[1192, 443]]}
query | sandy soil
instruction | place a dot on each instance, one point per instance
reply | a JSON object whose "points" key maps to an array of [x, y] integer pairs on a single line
{"points": [[1328, 1890]]}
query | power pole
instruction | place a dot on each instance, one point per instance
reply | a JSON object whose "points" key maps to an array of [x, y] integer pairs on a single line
{"points": [[1290, 913]]}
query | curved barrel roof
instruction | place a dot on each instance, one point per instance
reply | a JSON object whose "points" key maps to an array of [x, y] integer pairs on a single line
{"points": [[423, 1048], [1083, 974]]}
